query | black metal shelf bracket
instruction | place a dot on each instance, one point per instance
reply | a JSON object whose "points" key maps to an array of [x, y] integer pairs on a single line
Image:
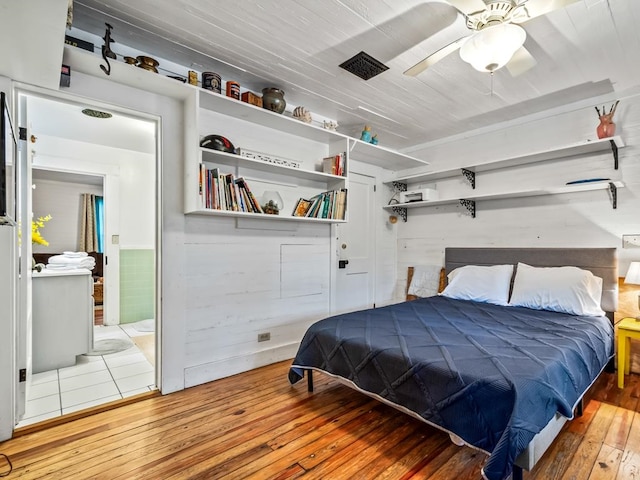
{"points": [[469, 176], [614, 149], [399, 186], [401, 211], [470, 205], [614, 195]]}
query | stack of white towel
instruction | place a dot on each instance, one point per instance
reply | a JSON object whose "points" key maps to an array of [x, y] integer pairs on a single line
{"points": [[71, 261]]}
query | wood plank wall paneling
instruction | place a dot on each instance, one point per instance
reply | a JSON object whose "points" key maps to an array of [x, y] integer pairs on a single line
{"points": [[585, 219], [246, 282], [580, 220], [257, 426]]}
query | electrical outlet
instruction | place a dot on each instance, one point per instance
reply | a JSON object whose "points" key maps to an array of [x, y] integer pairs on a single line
{"points": [[631, 241], [264, 337]]}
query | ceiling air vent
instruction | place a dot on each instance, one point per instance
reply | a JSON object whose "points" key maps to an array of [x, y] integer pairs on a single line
{"points": [[364, 66]]}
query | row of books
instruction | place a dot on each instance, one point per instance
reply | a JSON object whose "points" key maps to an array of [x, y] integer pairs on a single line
{"points": [[222, 191], [332, 204], [335, 164]]}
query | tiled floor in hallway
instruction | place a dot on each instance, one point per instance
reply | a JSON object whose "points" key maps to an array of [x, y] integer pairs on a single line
{"points": [[92, 381]]}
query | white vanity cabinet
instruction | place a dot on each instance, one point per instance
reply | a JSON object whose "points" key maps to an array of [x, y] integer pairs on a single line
{"points": [[62, 318]]}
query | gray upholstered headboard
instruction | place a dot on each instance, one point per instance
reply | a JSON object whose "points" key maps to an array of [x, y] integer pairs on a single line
{"points": [[602, 262]]}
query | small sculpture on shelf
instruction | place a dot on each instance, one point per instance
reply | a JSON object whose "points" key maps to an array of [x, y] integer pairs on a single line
{"points": [[606, 128], [271, 208], [365, 136], [302, 114], [330, 125], [374, 139]]}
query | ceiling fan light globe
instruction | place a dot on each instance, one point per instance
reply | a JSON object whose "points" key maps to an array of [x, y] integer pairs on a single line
{"points": [[492, 47]]}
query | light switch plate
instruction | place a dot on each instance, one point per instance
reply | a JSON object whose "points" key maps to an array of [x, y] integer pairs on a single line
{"points": [[631, 241]]}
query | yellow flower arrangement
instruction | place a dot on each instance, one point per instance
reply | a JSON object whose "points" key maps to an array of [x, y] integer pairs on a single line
{"points": [[36, 225]]}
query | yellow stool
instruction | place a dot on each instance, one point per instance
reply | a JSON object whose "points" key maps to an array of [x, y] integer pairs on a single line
{"points": [[628, 328]]}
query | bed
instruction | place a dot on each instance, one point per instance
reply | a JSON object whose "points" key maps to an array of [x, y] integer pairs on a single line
{"points": [[500, 378]]}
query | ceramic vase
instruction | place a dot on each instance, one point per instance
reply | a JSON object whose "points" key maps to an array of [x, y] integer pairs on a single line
{"points": [[606, 128], [273, 99]]}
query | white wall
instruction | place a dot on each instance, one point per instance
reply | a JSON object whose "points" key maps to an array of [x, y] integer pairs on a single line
{"points": [[136, 180], [226, 280], [63, 201], [580, 219]]}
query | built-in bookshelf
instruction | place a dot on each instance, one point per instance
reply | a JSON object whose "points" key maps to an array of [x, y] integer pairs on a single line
{"points": [[255, 129]]}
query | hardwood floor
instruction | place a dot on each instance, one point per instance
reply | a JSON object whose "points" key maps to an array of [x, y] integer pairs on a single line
{"points": [[256, 425]]}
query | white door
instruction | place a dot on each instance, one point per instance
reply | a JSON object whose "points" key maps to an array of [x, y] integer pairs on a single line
{"points": [[356, 247]]}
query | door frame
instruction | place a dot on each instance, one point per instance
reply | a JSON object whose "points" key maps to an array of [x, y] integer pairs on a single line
{"points": [[371, 268], [384, 243], [30, 90]]}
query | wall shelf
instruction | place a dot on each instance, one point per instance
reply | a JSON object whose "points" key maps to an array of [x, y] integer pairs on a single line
{"points": [[265, 217], [88, 63], [469, 201], [381, 156], [566, 151], [233, 160]]}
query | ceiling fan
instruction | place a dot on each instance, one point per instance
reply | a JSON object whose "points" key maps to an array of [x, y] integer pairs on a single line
{"points": [[497, 38]]}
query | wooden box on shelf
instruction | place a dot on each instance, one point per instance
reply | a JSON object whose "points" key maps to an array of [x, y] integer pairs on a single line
{"points": [[252, 98]]}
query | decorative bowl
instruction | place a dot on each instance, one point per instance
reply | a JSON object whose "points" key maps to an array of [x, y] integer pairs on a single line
{"points": [[151, 68], [152, 62]]}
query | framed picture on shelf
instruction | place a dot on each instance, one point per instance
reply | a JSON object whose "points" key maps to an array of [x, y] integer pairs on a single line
{"points": [[301, 207]]}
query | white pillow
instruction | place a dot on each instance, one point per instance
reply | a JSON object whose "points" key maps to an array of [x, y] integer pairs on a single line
{"points": [[559, 289], [425, 280], [480, 283]]}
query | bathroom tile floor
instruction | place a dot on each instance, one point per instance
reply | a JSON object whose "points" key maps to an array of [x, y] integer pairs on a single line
{"points": [[92, 381]]}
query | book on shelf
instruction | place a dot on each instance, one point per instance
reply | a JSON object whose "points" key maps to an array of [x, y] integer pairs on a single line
{"points": [[253, 201], [335, 164], [222, 191], [329, 205], [302, 207]]}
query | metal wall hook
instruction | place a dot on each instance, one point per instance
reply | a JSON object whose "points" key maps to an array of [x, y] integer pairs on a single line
{"points": [[107, 53]]}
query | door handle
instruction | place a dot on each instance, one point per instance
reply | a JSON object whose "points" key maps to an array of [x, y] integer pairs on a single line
{"points": [[343, 263]]}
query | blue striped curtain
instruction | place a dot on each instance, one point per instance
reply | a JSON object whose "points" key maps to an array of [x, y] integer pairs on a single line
{"points": [[100, 223], [92, 225]]}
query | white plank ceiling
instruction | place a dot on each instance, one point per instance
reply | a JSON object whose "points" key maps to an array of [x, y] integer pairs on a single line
{"points": [[586, 49]]}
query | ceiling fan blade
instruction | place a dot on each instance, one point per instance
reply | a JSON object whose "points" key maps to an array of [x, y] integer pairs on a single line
{"points": [[434, 58], [521, 61], [535, 8], [468, 6]]}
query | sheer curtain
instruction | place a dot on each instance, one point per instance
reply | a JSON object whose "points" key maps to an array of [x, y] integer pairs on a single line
{"points": [[91, 230]]}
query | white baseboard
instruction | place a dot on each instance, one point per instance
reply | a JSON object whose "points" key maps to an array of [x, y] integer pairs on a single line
{"points": [[231, 366]]}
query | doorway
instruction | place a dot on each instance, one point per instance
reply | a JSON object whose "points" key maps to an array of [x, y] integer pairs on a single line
{"points": [[115, 152], [356, 248]]}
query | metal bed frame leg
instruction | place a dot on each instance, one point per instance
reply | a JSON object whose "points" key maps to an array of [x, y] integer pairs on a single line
{"points": [[517, 473], [310, 381]]}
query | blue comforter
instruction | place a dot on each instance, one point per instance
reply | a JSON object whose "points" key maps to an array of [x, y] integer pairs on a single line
{"points": [[494, 376]]}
